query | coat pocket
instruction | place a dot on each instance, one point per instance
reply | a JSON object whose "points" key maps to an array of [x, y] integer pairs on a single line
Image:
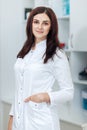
{"points": [[38, 106]]}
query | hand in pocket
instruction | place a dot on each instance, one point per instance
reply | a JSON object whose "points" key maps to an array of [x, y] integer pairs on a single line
{"points": [[38, 98]]}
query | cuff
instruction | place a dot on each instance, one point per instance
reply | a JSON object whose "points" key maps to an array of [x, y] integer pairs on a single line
{"points": [[11, 113], [52, 102]]}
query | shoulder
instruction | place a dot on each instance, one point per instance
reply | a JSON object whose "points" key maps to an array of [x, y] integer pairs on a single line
{"points": [[60, 55], [60, 60]]}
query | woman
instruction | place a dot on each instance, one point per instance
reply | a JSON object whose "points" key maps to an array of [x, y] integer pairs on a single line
{"points": [[39, 64]]}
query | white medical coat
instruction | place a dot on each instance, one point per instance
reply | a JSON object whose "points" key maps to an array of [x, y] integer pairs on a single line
{"points": [[33, 76]]}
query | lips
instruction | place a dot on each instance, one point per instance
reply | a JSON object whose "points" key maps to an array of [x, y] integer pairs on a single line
{"points": [[39, 31]]}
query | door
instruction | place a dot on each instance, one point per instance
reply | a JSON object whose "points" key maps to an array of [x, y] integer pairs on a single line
{"points": [[78, 24]]}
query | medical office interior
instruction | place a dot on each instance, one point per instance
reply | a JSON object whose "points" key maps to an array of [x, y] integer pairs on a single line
{"points": [[72, 20]]}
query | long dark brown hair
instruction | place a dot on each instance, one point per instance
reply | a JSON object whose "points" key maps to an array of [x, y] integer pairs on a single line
{"points": [[52, 37]]}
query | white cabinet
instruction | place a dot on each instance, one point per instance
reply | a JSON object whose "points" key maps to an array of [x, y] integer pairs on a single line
{"points": [[78, 34], [76, 41], [73, 32], [63, 20], [78, 24]]}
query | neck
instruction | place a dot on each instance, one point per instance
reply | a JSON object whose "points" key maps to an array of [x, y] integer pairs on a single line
{"points": [[39, 40]]}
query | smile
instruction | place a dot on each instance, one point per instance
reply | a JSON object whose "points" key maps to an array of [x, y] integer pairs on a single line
{"points": [[39, 31]]}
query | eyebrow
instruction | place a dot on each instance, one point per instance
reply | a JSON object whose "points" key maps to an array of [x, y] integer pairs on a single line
{"points": [[43, 21]]}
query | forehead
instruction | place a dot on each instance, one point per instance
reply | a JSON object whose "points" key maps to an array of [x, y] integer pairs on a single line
{"points": [[41, 17]]}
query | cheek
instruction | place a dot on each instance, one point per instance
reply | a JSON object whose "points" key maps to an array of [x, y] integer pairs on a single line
{"points": [[47, 30], [33, 26]]}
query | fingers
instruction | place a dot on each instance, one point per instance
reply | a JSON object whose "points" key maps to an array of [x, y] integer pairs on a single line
{"points": [[34, 98], [27, 99], [40, 97]]}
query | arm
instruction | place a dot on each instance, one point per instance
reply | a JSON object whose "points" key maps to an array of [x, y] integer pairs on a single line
{"points": [[11, 117], [10, 123], [62, 74], [11, 113]]}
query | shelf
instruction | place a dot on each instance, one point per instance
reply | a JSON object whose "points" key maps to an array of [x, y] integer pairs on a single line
{"points": [[84, 82], [76, 50], [64, 17]]}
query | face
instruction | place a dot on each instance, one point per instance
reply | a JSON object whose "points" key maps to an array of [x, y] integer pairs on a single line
{"points": [[40, 26]]}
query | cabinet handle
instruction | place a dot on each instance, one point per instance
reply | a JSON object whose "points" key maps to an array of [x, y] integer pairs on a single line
{"points": [[71, 40]]}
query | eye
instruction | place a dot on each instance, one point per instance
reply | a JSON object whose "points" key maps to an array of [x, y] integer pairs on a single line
{"points": [[46, 23], [35, 22]]}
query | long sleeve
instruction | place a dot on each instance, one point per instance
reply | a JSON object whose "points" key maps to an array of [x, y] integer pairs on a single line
{"points": [[62, 74], [11, 113]]}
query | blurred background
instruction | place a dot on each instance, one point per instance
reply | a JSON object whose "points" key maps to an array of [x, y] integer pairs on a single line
{"points": [[72, 21]]}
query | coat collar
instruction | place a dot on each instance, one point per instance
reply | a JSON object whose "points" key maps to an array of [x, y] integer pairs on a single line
{"points": [[41, 44]]}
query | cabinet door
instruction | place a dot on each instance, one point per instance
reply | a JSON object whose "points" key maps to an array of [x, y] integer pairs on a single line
{"points": [[78, 24]]}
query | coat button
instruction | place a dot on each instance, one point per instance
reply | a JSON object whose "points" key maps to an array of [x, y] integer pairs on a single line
{"points": [[21, 88], [22, 74], [18, 117], [35, 104]]}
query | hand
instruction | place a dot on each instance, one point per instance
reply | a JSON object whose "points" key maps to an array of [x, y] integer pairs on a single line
{"points": [[10, 123], [38, 98]]}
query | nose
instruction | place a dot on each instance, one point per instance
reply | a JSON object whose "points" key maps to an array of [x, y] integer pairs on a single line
{"points": [[40, 26]]}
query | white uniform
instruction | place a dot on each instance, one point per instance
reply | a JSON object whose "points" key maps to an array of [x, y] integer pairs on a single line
{"points": [[33, 76]]}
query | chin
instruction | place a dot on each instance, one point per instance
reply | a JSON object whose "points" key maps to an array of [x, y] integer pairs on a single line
{"points": [[39, 37]]}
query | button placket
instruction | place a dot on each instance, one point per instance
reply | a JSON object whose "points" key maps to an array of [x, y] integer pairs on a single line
{"points": [[35, 104], [19, 103], [31, 56], [20, 98], [18, 118], [22, 80], [25, 61], [21, 89]]}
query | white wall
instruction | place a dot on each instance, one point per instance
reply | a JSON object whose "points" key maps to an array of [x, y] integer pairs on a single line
{"points": [[0, 45], [12, 37], [10, 42], [0, 66]]}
